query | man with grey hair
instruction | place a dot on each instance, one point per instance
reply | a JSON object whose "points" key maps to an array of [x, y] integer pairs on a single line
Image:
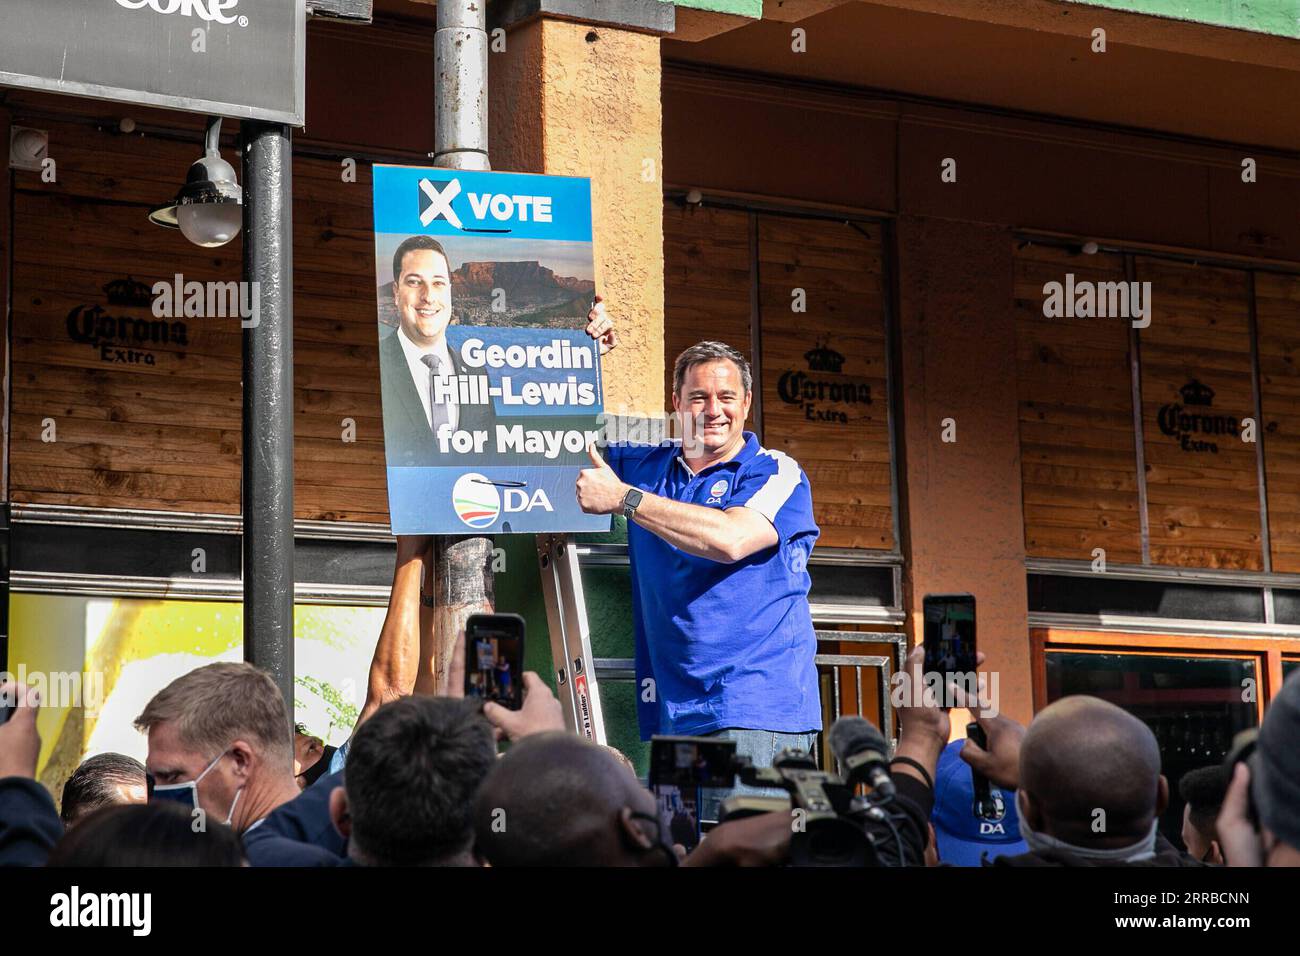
{"points": [[719, 534], [220, 744]]}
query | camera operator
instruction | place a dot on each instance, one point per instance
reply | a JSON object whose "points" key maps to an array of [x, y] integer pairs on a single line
{"points": [[766, 839]]}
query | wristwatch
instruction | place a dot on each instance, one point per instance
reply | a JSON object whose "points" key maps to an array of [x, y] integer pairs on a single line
{"points": [[631, 501]]}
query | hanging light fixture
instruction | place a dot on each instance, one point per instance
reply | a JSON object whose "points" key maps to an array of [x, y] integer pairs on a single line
{"points": [[209, 209]]}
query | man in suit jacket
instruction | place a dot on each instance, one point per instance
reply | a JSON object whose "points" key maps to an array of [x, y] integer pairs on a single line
{"points": [[410, 358]]}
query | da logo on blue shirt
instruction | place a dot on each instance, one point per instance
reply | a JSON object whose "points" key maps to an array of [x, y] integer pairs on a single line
{"points": [[716, 492]]}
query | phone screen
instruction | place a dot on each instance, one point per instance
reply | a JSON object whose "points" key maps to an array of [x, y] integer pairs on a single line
{"points": [[949, 633], [494, 659], [679, 814], [687, 762]]}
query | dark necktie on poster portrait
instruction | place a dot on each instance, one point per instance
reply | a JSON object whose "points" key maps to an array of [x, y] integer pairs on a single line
{"points": [[439, 413]]}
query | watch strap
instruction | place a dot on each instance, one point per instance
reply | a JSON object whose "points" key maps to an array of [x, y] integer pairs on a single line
{"points": [[631, 501]]}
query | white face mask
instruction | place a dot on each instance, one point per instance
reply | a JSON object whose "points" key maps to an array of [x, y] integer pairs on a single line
{"points": [[187, 794], [1143, 849]]}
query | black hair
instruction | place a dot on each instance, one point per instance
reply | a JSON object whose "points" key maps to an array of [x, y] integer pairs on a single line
{"points": [[413, 769], [146, 834], [1203, 789], [94, 784], [414, 244]]}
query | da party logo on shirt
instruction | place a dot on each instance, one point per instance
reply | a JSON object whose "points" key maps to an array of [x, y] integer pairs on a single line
{"points": [[717, 491], [476, 500]]}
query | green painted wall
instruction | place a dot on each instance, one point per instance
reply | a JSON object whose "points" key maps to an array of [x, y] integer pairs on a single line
{"points": [[1280, 17], [742, 8], [609, 614]]}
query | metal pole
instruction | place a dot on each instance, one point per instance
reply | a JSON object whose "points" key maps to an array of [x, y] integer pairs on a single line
{"points": [[462, 564], [460, 89], [268, 403]]}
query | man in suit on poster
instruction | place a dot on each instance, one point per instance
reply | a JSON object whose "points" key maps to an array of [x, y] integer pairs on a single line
{"points": [[415, 357]]}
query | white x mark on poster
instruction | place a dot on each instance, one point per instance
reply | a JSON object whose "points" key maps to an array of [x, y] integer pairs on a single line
{"points": [[435, 204]]}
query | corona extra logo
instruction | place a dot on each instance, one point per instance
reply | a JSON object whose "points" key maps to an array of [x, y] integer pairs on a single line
{"points": [[1194, 417], [819, 394]]}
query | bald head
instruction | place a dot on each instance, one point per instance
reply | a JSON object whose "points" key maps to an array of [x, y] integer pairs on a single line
{"points": [[1081, 755], [558, 800]]}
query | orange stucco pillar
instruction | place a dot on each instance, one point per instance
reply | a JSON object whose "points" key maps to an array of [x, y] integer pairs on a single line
{"points": [[575, 99], [964, 519]]}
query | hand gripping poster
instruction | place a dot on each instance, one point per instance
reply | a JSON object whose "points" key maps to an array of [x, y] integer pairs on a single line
{"points": [[491, 386]]}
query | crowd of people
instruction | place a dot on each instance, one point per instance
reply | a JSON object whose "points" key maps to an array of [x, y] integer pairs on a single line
{"points": [[421, 782]]}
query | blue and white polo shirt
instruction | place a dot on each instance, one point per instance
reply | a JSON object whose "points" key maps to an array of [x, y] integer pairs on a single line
{"points": [[727, 645]]}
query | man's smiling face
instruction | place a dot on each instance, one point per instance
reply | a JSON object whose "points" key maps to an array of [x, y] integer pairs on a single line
{"points": [[713, 406], [422, 294]]}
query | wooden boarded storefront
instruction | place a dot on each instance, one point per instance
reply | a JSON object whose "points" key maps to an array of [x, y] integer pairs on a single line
{"points": [[113, 406], [1202, 475]]}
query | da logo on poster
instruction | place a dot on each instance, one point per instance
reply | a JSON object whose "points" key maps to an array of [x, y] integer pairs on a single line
{"points": [[491, 387]]}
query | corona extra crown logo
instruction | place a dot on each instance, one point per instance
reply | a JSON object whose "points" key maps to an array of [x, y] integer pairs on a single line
{"points": [[476, 500], [128, 291], [821, 358], [1197, 393]]}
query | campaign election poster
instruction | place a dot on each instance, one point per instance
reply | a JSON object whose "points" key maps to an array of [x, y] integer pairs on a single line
{"points": [[491, 386]]}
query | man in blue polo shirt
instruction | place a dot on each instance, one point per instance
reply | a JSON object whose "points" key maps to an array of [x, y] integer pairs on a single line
{"points": [[719, 534]]}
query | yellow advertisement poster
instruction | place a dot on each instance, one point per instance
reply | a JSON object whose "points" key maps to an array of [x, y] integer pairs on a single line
{"points": [[97, 661]]}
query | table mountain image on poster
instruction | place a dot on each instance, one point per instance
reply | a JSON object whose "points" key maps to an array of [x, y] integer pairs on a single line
{"points": [[531, 294]]}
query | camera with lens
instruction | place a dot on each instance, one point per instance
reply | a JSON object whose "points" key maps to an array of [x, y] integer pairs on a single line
{"points": [[832, 823]]}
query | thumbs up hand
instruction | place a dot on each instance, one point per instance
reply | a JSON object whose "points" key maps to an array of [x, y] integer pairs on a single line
{"points": [[599, 490]]}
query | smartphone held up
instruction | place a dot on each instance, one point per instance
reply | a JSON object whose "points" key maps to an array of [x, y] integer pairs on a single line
{"points": [[949, 633], [494, 659]]}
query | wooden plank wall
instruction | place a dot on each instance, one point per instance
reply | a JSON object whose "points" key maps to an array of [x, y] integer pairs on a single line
{"points": [[1277, 316], [837, 342], [706, 281], [1076, 416], [1076, 428], [167, 435], [1202, 489], [708, 292]]}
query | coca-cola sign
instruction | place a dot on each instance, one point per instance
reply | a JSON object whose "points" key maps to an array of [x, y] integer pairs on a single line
{"points": [[238, 58], [211, 10]]}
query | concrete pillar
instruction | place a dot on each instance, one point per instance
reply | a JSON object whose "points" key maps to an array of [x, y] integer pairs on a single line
{"points": [[962, 500], [578, 99]]}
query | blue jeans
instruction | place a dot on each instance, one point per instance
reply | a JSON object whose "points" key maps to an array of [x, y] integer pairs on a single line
{"points": [[760, 746]]}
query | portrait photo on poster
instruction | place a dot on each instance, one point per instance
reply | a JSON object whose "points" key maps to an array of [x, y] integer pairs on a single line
{"points": [[491, 388]]}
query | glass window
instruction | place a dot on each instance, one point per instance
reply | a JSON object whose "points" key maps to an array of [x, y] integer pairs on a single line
{"points": [[1193, 705]]}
